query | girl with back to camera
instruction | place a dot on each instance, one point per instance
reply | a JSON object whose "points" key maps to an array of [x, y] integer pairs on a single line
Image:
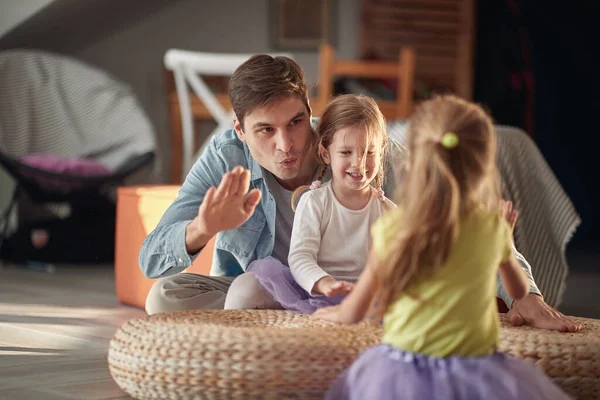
{"points": [[433, 270]]}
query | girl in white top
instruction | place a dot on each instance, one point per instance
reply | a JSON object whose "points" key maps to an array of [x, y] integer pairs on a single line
{"points": [[330, 236]]}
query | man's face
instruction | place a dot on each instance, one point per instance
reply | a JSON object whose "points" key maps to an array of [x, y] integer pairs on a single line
{"points": [[281, 140]]}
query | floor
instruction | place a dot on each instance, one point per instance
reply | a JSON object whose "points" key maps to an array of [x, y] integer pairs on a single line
{"points": [[54, 333], [55, 327]]}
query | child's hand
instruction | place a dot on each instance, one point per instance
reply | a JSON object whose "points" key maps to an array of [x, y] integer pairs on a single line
{"points": [[331, 314], [507, 212], [330, 287], [338, 288]]}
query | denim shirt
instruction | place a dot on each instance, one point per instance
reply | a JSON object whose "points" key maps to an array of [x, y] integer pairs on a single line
{"points": [[164, 252]]}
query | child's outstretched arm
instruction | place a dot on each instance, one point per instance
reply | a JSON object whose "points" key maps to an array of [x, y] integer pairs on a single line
{"points": [[514, 279], [357, 304], [305, 244]]}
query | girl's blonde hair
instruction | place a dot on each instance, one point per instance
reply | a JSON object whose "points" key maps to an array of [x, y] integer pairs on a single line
{"points": [[442, 181], [346, 111]]}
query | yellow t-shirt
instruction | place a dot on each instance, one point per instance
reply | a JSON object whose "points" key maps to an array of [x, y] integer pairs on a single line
{"points": [[455, 312]]}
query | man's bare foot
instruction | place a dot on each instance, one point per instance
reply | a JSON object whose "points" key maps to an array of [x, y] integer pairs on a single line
{"points": [[533, 310]]}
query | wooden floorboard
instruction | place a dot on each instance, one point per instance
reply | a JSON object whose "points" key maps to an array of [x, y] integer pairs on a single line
{"points": [[54, 333]]}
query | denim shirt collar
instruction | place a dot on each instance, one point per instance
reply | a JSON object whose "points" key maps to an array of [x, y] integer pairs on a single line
{"points": [[256, 171]]}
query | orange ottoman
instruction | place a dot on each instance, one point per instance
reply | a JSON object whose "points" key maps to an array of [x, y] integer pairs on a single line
{"points": [[139, 208]]}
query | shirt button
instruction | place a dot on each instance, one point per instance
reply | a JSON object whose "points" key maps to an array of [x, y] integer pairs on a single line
{"points": [[180, 261]]}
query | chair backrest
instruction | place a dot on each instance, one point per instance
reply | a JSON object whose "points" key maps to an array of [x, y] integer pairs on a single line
{"points": [[58, 105], [403, 71], [188, 68]]}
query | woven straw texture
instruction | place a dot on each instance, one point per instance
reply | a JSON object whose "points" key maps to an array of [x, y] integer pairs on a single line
{"points": [[269, 354], [246, 354], [572, 360]]}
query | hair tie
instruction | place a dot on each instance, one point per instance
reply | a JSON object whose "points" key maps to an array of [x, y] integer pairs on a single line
{"points": [[449, 140], [315, 185], [380, 194]]}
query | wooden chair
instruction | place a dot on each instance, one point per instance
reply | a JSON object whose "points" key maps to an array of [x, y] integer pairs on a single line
{"points": [[403, 70]]}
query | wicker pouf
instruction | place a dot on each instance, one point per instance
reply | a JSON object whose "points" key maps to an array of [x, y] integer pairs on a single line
{"points": [[245, 354], [268, 354], [572, 360]]}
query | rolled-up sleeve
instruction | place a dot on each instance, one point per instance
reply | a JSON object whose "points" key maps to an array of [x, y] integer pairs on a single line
{"points": [[501, 292]]}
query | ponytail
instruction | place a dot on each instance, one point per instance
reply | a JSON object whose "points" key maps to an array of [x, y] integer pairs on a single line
{"points": [[428, 226]]}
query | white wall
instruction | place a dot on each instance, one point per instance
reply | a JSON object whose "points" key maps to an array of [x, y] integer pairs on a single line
{"points": [[13, 12], [135, 54]]}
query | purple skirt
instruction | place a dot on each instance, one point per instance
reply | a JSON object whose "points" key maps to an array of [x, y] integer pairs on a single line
{"points": [[386, 373], [277, 280]]}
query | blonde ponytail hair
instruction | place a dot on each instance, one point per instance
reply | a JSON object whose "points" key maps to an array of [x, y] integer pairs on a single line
{"points": [[444, 183]]}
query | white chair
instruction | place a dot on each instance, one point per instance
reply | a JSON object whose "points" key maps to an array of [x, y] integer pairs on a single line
{"points": [[187, 68]]}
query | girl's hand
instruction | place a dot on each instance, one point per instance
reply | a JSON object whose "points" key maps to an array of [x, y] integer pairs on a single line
{"points": [[338, 288], [356, 305], [330, 287], [331, 314], [510, 215], [507, 212]]}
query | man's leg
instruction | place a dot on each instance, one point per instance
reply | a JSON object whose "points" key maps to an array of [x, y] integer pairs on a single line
{"points": [[246, 293], [187, 291]]}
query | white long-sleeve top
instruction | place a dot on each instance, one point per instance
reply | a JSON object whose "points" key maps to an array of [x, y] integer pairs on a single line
{"points": [[330, 239]]}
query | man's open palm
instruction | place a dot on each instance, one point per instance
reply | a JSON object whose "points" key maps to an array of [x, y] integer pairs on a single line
{"points": [[230, 205]]}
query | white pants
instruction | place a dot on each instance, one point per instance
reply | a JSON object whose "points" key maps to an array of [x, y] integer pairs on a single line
{"points": [[187, 291]]}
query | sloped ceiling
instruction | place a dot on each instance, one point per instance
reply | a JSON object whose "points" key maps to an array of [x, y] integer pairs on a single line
{"points": [[66, 26], [13, 12]]}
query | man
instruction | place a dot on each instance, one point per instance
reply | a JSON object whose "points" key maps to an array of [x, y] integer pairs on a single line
{"points": [[240, 190]]}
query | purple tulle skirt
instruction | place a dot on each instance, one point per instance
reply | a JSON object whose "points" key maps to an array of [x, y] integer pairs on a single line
{"points": [[277, 280], [386, 373]]}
